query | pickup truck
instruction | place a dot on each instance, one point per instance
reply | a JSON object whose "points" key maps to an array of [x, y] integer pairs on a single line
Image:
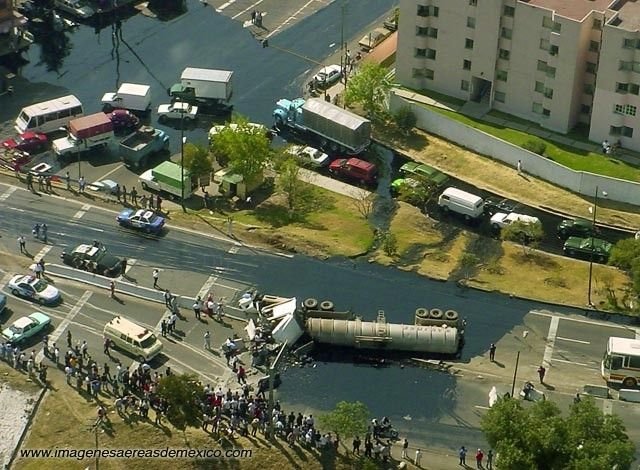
{"points": [[137, 147]]}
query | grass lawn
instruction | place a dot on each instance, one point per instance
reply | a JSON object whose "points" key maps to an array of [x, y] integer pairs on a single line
{"points": [[571, 157]]}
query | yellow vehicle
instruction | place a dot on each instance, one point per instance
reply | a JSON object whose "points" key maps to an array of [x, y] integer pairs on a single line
{"points": [[133, 339]]}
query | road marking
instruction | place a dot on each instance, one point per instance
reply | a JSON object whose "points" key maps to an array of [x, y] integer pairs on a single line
{"points": [[246, 10], [482, 407], [588, 322], [42, 253], [292, 17], [637, 333], [573, 340], [167, 313], [83, 210], [551, 341], [130, 263], [206, 287], [53, 337], [233, 250], [225, 5], [109, 173], [607, 407], [10, 190], [16, 209], [572, 362]]}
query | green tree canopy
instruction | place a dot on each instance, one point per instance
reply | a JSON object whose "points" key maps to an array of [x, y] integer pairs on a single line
{"points": [[369, 87], [526, 233], [537, 437], [624, 253], [348, 419], [405, 119], [197, 160], [181, 391], [244, 146], [299, 194]]}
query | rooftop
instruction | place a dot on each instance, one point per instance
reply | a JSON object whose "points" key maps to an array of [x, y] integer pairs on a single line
{"points": [[573, 9], [628, 15]]}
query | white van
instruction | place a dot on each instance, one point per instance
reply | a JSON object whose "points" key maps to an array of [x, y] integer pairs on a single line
{"points": [[49, 116], [133, 339], [466, 204]]}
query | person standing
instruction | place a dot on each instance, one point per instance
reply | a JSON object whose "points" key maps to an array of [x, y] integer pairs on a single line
{"points": [[44, 229], [118, 192], [242, 375], [519, 166], [134, 196], [541, 373], [167, 299], [479, 457], [462, 453], [69, 339], [124, 194], [29, 179], [81, 184], [156, 275], [107, 344], [492, 352], [23, 244], [405, 446], [67, 179], [418, 457], [356, 445], [490, 459], [158, 203], [163, 327], [207, 340], [112, 289], [197, 307]]}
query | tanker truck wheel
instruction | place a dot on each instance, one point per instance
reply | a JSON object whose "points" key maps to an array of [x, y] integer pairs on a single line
{"points": [[422, 312], [310, 303], [451, 315], [326, 306], [436, 314]]}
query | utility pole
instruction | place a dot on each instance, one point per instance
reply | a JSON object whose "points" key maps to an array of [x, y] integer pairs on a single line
{"points": [[515, 374], [182, 139], [594, 211], [273, 370]]}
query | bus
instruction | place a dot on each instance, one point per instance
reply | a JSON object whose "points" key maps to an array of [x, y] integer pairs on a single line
{"points": [[49, 116], [621, 362]]}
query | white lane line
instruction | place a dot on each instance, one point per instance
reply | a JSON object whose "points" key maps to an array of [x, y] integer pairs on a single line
{"points": [[225, 5], [53, 337], [233, 250], [481, 407], [167, 313], [637, 333], [551, 341], [16, 209], [109, 173], [285, 22], [246, 10], [130, 263], [206, 287], [573, 362], [42, 253], [607, 407], [83, 210], [588, 322], [10, 190], [573, 340]]}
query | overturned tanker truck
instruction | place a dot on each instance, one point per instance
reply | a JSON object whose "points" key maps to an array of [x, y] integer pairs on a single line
{"points": [[434, 330]]}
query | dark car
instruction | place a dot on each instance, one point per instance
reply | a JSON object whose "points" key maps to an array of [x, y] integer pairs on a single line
{"points": [[141, 219], [31, 142], [94, 258], [576, 228], [588, 247], [123, 120], [494, 204]]}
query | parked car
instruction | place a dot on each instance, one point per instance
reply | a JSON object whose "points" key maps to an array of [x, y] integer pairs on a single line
{"points": [[104, 186], [576, 228], [124, 120], [32, 288], [500, 220], [399, 184], [78, 8], [93, 258], [141, 219], [177, 110], [372, 39], [423, 172], [586, 247], [26, 327], [493, 204], [327, 76], [31, 142], [355, 169], [16, 160], [391, 23], [309, 155]]}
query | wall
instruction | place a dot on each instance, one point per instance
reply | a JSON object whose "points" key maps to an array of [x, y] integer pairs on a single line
{"points": [[577, 181]]}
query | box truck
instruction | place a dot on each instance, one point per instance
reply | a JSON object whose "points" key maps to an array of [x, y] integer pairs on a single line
{"points": [[131, 96], [207, 87], [87, 132]]}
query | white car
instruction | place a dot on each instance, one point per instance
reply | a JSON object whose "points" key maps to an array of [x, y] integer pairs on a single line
{"points": [[500, 219], [33, 288], [328, 75], [177, 110], [309, 155], [77, 8], [104, 186]]}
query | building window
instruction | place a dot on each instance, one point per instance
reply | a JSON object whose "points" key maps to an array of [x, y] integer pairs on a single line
{"points": [[506, 33], [628, 43], [623, 131], [501, 75], [473, 3], [547, 22], [626, 109], [468, 43], [429, 74], [466, 64], [553, 50], [588, 89], [546, 112], [471, 22], [622, 88], [504, 54], [421, 53], [464, 85], [591, 67], [542, 66], [597, 23], [499, 96], [585, 109], [557, 27], [539, 88], [594, 46], [424, 11], [508, 11], [427, 31], [422, 73], [537, 108], [629, 65], [431, 54], [545, 44], [548, 93], [551, 72], [634, 88]]}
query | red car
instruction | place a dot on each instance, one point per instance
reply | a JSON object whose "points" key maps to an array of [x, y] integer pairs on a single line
{"points": [[31, 142], [355, 169], [123, 120]]}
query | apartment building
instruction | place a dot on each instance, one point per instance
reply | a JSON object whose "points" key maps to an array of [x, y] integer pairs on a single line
{"points": [[558, 63]]}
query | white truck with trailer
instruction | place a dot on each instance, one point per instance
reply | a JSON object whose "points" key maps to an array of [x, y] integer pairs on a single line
{"points": [[85, 133], [131, 96], [165, 178]]}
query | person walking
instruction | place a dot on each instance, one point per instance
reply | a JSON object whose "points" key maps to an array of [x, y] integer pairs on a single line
{"points": [[492, 352], [418, 458], [22, 244], [106, 345], [156, 275], [143, 201], [29, 180], [405, 446], [490, 459], [207, 340], [541, 373], [41, 183], [44, 229], [112, 289], [356, 445], [519, 167], [462, 453], [479, 457]]}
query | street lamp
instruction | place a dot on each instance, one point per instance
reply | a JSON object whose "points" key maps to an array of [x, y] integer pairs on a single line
{"points": [[182, 141], [593, 210]]}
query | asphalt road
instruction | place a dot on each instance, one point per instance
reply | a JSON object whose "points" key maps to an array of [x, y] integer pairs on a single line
{"points": [[429, 406]]}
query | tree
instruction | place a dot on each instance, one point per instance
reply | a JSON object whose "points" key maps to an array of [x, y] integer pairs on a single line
{"points": [[405, 119], [625, 253], [244, 147], [526, 233], [348, 419], [539, 438], [197, 160], [298, 193], [181, 391], [369, 87], [468, 262], [364, 202]]}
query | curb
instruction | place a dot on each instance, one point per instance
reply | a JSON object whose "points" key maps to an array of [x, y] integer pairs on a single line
{"points": [[25, 429]]}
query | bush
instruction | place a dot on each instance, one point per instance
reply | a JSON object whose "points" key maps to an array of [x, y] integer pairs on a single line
{"points": [[535, 146], [405, 119]]}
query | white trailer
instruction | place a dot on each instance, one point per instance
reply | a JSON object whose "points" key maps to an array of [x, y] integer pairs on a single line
{"points": [[131, 96], [204, 86]]}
